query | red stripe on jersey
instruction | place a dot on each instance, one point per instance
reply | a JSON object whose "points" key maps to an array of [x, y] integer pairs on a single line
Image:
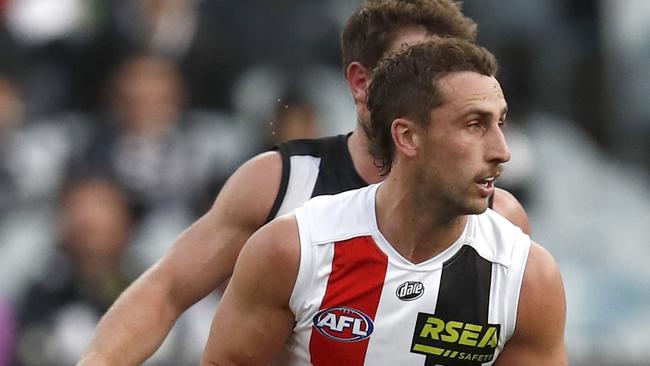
{"points": [[356, 282]]}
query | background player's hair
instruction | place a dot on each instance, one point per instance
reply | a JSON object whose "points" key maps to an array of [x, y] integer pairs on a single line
{"points": [[371, 29], [404, 85]]}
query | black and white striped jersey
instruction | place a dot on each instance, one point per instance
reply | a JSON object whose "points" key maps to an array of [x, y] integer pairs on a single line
{"points": [[312, 168]]}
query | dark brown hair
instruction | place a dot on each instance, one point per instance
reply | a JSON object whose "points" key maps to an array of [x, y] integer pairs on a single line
{"points": [[371, 29], [404, 85]]}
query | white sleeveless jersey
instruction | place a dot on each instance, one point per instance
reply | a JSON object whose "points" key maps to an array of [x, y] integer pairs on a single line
{"points": [[357, 301]]}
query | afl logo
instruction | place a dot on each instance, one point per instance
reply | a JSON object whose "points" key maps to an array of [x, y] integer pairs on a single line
{"points": [[410, 290], [343, 324]]}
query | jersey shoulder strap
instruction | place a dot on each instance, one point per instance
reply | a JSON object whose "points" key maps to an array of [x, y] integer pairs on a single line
{"points": [[311, 150]]}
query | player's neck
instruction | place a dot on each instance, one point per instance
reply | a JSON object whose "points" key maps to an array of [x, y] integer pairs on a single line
{"points": [[418, 232], [363, 162]]}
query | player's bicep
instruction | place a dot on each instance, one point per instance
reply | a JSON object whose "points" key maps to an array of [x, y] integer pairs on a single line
{"points": [[209, 248], [254, 318], [538, 338], [249, 194]]}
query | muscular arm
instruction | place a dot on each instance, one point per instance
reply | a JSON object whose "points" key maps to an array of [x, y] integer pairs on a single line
{"points": [[254, 319], [538, 338], [200, 260], [507, 205]]}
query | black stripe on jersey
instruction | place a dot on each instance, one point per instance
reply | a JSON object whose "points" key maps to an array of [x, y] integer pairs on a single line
{"points": [[284, 181], [464, 295], [465, 287], [336, 171]]}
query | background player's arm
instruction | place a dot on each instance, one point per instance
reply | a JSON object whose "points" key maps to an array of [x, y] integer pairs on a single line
{"points": [[200, 260], [509, 207], [254, 320], [538, 338]]}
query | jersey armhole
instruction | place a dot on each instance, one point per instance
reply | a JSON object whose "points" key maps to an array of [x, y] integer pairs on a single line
{"points": [[284, 182], [305, 276], [522, 248]]}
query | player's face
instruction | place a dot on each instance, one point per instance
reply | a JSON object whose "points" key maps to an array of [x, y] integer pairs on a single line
{"points": [[464, 145]]}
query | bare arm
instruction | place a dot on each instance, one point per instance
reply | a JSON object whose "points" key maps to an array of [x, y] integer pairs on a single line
{"points": [[254, 319], [200, 260], [507, 205], [539, 334]]}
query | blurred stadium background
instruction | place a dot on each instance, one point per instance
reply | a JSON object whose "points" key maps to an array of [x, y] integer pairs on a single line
{"points": [[120, 120]]}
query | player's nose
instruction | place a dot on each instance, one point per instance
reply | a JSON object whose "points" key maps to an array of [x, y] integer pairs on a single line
{"points": [[498, 150]]}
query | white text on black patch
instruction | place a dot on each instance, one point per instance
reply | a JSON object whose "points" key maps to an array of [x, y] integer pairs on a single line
{"points": [[410, 290]]}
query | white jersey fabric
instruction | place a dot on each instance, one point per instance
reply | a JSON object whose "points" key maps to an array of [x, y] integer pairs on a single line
{"points": [[357, 301]]}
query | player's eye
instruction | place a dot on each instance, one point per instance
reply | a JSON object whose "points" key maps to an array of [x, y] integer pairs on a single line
{"points": [[475, 125]]}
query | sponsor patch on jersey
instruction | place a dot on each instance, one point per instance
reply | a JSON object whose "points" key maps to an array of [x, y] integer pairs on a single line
{"points": [[343, 324], [454, 342], [410, 290]]}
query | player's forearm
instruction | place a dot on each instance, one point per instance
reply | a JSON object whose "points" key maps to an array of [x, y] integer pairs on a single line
{"points": [[134, 327]]}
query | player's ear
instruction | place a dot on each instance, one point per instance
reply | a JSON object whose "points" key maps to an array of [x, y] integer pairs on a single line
{"points": [[405, 137], [358, 77]]}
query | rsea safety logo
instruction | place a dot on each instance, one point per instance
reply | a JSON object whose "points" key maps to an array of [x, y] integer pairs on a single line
{"points": [[451, 342], [410, 290], [343, 324]]}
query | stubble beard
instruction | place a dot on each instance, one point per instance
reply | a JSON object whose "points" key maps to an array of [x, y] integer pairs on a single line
{"points": [[447, 198]]}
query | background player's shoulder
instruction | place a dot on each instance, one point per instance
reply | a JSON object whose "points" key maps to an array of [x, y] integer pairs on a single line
{"points": [[309, 147], [264, 161]]}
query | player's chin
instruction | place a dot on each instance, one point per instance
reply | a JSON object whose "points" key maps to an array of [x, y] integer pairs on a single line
{"points": [[476, 206], [479, 198]]}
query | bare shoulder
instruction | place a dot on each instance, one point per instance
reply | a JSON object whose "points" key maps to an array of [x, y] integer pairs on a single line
{"points": [[509, 207], [259, 175], [538, 338], [251, 191], [542, 288], [278, 240], [265, 164], [272, 254], [541, 268]]}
